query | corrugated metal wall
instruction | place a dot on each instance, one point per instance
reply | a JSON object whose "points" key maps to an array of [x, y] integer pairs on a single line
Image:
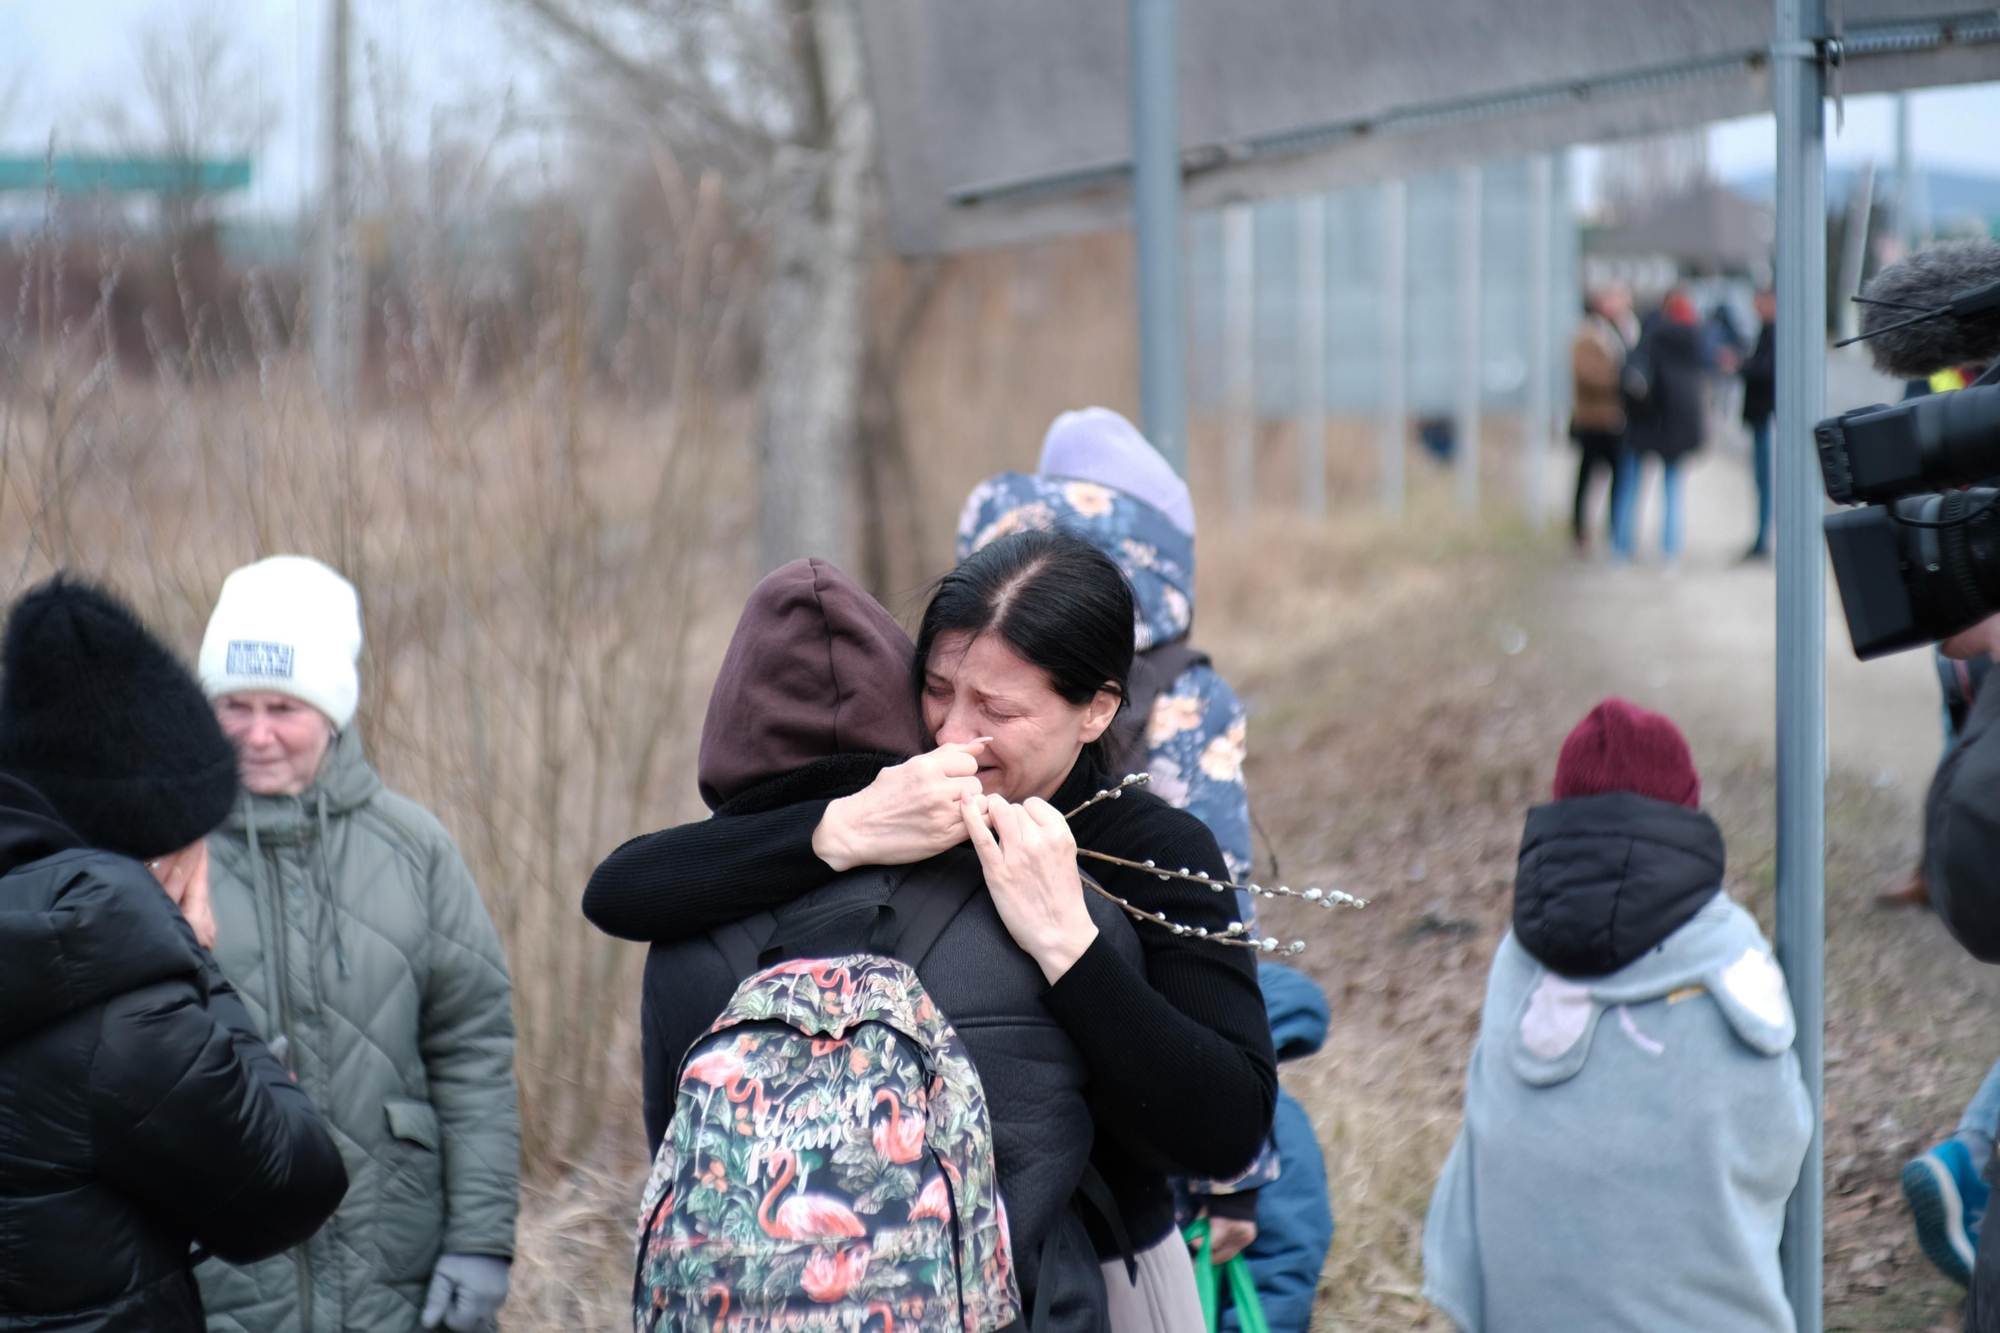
{"points": [[1353, 224]]}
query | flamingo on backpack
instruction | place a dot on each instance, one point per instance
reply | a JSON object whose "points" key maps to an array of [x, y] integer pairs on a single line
{"points": [[829, 1168]]}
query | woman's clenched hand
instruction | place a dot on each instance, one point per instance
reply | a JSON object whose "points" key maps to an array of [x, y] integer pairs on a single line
{"points": [[1029, 857], [909, 812], [184, 875]]}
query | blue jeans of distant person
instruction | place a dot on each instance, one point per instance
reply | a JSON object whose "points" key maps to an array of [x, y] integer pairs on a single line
{"points": [[1625, 511], [1982, 1116], [1760, 460]]}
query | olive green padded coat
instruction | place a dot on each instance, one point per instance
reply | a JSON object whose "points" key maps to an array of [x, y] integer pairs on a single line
{"points": [[348, 922]]}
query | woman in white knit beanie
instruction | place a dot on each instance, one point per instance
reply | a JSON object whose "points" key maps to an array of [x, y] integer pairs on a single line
{"points": [[348, 921], [281, 661]]}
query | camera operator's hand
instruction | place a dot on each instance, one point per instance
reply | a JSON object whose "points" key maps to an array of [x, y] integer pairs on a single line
{"points": [[1982, 639]]}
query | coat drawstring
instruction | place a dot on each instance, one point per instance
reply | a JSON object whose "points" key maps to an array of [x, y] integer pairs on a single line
{"points": [[326, 888], [260, 892]]}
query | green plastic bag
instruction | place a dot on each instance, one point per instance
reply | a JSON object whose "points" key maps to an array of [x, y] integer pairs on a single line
{"points": [[1242, 1285]]}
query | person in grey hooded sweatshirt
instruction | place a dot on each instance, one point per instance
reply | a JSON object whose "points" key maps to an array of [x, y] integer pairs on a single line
{"points": [[1635, 1117]]}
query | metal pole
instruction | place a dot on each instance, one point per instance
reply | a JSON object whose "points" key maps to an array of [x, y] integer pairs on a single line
{"points": [[334, 294], [1156, 220], [1906, 211], [1466, 413], [1394, 430], [1541, 240], [1239, 364], [1798, 90], [1312, 354]]}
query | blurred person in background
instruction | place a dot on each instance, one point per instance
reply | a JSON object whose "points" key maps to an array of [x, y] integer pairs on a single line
{"points": [[349, 922], [1597, 415], [1182, 725], [1636, 1030], [140, 1115], [1760, 400], [1665, 418]]}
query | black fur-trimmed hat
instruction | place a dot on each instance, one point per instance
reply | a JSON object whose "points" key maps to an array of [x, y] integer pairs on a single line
{"points": [[98, 716]]}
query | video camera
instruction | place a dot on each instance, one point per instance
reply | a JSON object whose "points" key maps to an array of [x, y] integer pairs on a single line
{"points": [[1920, 560]]}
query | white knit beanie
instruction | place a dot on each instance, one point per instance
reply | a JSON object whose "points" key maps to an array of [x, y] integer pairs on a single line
{"points": [[290, 625]]}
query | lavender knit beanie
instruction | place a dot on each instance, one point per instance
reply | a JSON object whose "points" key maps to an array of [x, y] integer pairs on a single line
{"points": [[1099, 445]]}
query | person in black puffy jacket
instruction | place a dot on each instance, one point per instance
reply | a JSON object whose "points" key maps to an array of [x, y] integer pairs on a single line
{"points": [[142, 1122]]}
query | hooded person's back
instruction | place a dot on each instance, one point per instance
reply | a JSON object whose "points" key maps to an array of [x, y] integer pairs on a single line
{"points": [[1635, 1117], [812, 700]]}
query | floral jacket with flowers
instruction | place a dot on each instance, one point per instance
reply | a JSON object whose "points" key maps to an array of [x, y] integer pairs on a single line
{"points": [[1195, 737], [1196, 734], [830, 1163]]}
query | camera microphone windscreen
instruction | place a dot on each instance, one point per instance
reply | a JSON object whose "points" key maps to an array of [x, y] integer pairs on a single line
{"points": [[1962, 278]]}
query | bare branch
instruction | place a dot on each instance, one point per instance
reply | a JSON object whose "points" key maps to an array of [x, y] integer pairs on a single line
{"points": [[658, 91]]}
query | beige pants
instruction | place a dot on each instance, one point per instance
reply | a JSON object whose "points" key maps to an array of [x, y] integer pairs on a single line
{"points": [[1163, 1300]]}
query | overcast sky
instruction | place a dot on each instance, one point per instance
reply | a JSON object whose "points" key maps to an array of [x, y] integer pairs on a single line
{"points": [[1955, 128], [458, 59], [454, 57]]}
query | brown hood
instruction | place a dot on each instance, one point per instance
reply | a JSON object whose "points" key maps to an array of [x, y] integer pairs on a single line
{"points": [[817, 668]]}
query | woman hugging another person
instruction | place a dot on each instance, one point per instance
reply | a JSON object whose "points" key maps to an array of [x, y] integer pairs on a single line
{"points": [[1020, 667]]}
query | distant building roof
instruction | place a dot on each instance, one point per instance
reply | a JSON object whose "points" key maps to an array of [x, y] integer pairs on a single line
{"points": [[1707, 227]]}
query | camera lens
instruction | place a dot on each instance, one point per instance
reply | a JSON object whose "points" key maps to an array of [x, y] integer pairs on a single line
{"points": [[1876, 454], [1918, 571]]}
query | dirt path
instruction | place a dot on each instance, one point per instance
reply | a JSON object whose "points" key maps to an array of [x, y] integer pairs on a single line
{"points": [[1699, 641]]}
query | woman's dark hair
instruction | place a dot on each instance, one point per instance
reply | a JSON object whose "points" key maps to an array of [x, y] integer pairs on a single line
{"points": [[1052, 597]]}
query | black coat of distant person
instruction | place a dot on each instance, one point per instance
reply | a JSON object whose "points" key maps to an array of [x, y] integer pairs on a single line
{"points": [[1668, 423], [1760, 378], [140, 1116]]}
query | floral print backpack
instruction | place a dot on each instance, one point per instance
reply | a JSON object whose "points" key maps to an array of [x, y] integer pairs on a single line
{"points": [[829, 1167]]}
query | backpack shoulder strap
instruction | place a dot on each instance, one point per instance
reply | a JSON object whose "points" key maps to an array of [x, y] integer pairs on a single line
{"points": [[741, 941], [930, 896], [923, 902], [1152, 672], [1095, 1190]]}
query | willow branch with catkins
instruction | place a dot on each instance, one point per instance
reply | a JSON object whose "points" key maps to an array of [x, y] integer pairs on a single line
{"points": [[1238, 933]]}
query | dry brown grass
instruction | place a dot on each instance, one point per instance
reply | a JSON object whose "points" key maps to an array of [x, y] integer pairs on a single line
{"points": [[545, 568], [1394, 742]]}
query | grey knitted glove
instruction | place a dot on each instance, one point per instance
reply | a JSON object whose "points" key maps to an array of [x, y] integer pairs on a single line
{"points": [[467, 1291]]}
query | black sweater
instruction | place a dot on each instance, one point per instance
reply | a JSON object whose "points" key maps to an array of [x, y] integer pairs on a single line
{"points": [[1183, 1076]]}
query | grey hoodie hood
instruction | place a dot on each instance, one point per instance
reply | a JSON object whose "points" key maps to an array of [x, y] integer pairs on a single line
{"points": [[1718, 954]]}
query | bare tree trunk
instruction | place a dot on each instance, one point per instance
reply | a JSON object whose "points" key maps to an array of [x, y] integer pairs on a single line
{"points": [[335, 291], [895, 544], [813, 338]]}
